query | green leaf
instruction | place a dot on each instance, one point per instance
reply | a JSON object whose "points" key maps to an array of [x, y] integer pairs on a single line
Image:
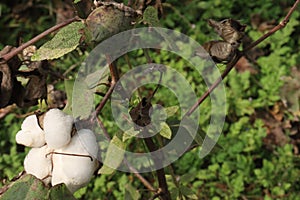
{"points": [[187, 192], [170, 111], [131, 193], [29, 187], [60, 192], [174, 193], [165, 130], [69, 92], [76, 1], [129, 134], [26, 188], [114, 156], [150, 16], [187, 178], [65, 41]]}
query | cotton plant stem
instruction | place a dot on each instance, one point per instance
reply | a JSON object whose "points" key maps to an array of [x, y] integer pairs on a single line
{"points": [[131, 168], [231, 64], [161, 176], [115, 77], [14, 52]]}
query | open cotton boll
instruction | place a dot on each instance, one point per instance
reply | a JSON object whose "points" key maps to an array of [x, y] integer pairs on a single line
{"points": [[74, 171], [88, 141], [57, 128], [37, 164], [31, 134]]}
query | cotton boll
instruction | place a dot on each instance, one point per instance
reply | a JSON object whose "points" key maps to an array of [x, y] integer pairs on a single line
{"points": [[57, 127], [88, 140], [74, 171], [37, 164], [31, 134]]}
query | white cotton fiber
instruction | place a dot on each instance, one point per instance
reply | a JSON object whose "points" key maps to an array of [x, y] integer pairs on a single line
{"points": [[75, 171], [31, 134], [88, 141], [37, 164], [57, 128]]}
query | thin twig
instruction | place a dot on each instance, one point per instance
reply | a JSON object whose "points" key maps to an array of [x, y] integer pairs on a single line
{"points": [[114, 78], [281, 25], [229, 67], [105, 99], [113, 70], [11, 54], [140, 177], [231, 64]]}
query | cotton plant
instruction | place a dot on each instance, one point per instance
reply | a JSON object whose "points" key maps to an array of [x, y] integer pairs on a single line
{"points": [[57, 148]]}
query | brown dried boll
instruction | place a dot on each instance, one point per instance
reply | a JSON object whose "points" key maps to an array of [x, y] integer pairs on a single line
{"points": [[106, 21], [220, 51], [232, 31]]}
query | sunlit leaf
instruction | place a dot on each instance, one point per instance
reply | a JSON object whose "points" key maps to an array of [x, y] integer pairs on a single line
{"points": [[129, 134], [114, 156], [65, 41], [165, 130], [170, 111]]}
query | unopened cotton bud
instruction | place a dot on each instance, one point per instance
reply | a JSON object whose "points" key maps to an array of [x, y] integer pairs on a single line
{"points": [[57, 128], [77, 169], [38, 164], [31, 134]]}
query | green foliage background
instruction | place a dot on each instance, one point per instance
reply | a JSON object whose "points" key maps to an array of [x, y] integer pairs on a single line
{"points": [[246, 167]]}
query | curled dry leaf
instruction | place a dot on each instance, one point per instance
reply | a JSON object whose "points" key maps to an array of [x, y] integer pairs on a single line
{"points": [[7, 79], [141, 113], [56, 98], [6, 84]]}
